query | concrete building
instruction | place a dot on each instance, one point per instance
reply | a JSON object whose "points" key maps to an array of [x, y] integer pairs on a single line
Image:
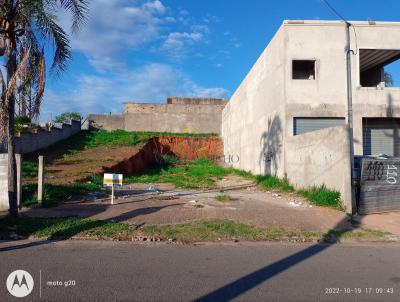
{"points": [[288, 116], [179, 114]]}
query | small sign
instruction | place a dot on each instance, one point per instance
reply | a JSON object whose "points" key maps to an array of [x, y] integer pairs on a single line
{"points": [[112, 180]]}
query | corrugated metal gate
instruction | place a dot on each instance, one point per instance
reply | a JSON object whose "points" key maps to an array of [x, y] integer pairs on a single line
{"points": [[308, 124], [381, 136], [379, 186]]}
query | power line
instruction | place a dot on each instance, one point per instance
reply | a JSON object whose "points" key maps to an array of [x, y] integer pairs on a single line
{"points": [[334, 11], [342, 18]]}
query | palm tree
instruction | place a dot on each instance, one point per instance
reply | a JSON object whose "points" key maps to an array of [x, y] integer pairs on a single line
{"points": [[27, 27]]}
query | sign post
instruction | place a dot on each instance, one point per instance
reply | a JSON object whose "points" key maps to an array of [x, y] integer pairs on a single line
{"points": [[112, 180]]}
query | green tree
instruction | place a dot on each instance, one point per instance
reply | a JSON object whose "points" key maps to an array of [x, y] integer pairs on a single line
{"points": [[388, 79], [27, 28], [67, 116]]}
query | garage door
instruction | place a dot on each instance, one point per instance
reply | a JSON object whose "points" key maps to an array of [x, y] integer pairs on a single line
{"points": [[381, 136], [308, 124]]}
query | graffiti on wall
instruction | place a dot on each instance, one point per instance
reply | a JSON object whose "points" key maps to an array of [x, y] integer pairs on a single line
{"points": [[378, 170]]}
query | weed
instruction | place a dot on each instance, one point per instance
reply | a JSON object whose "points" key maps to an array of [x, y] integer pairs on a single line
{"points": [[203, 230], [335, 235], [29, 169], [223, 198], [322, 196], [200, 173], [62, 227]]}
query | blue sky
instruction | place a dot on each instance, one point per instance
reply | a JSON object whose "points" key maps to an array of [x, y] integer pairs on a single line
{"points": [[146, 50]]}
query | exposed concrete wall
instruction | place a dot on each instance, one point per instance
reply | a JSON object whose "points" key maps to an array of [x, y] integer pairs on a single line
{"points": [[30, 142], [3, 183], [173, 118], [321, 158], [263, 107], [253, 120], [326, 96], [107, 122], [195, 101], [179, 115]]}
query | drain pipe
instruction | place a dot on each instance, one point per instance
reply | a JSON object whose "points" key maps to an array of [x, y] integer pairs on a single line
{"points": [[349, 117]]}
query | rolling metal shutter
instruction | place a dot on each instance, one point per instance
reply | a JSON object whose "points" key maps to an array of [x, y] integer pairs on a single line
{"points": [[307, 124], [381, 136]]}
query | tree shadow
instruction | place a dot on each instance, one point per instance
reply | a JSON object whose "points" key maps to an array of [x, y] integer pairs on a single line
{"points": [[139, 212], [66, 227], [242, 285], [271, 145]]}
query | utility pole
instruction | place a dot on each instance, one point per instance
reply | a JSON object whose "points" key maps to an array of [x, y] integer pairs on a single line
{"points": [[349, 116]]}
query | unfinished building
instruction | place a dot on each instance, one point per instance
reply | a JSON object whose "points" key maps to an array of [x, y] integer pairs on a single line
{"points": [[288, 116]]}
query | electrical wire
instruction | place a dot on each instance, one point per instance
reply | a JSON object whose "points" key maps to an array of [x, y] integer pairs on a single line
{"points": [[334, 11], [342, 18]]}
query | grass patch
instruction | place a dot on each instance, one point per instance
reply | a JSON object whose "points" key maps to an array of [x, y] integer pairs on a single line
{"points": [[204, 230], [269, 182], [222, 229], [63, 227], [204, 172], [200, 173], [198, 206], [334, 235], [92, 139], [29, 169], [321, 196], [223, 198], [54, 194]]}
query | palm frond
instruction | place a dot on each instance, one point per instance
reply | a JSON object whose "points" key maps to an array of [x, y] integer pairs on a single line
{"points": [[40, 81], [49, 29], [18, 74], [79, 10]]}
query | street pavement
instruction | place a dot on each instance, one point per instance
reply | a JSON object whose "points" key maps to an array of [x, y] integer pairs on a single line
{"points": [[126, 271]]}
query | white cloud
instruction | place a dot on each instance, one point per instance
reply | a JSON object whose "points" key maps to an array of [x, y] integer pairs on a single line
{"points": [[100, 94], [155, 6], [116, 27], [177, 43]]}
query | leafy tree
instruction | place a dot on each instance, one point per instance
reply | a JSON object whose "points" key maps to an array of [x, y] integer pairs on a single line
{"points": [[67, 116], [27, 27], [388, 79]]}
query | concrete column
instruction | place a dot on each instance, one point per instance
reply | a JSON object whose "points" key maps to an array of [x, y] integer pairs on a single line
{"points": [[41, 180], [18, 159]]}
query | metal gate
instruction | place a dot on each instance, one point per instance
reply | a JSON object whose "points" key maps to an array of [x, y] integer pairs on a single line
{"points": [[308, 124], [381, 136], [379, 186]]}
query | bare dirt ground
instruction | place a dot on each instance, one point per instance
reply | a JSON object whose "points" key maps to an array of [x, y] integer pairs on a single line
{"points": [[138, 205], [70, 168]]}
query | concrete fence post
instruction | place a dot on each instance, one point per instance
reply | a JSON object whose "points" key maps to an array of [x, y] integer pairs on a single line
{"points": [[18, 159], [41, 180]]}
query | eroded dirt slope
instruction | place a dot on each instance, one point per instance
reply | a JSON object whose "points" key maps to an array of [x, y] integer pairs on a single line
{"points": [[80, 166]]}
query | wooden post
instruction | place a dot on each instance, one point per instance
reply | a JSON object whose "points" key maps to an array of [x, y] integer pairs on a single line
{"points": [[18, 159], [41, 180]]}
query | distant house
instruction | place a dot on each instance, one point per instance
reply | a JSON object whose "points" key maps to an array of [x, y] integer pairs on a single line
{"points": [[288, 116]]}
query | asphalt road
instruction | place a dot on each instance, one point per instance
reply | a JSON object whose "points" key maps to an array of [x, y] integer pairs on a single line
{"points": [[125, 271]]}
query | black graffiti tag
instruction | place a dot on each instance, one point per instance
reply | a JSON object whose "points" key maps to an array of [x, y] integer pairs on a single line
{"points": [[375, 170]]}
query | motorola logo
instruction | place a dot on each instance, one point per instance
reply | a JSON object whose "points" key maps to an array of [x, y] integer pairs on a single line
{"points": [[20, 283]]}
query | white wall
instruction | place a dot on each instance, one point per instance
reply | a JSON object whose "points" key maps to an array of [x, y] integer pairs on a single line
{"points": [[255, 108]]}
